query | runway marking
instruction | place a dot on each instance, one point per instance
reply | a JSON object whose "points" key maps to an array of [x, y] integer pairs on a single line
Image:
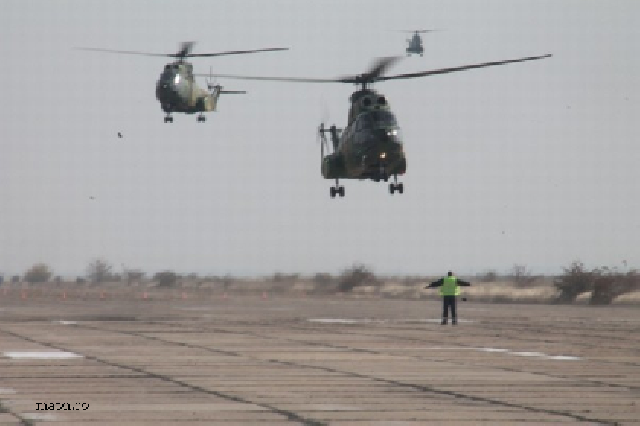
{"points": [[42, 355], [509, 352], [378, 321], [66, 322], [340, 321], [39, 416], [7, 391]]}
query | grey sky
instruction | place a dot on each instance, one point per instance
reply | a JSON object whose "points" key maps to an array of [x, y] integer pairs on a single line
{"points": [[533, 163]]}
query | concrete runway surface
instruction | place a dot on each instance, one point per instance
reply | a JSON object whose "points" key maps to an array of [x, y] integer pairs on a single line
{"points": [[267, 359]]}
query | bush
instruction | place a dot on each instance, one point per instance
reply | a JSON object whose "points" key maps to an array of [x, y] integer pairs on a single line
{"points": [[356, 276], [133, 275], [521, 276], [99, 271], [610, 283], [322, 279], [605, 284], [39, 273], [280, 277], [489, 276], [166, 278], [575, 281]]}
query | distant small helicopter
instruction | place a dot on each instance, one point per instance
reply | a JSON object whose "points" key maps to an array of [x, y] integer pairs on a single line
{"points": [[176, 89], [415, 42], [370, 146]]}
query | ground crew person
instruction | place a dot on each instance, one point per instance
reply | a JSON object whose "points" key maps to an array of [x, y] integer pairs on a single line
{"points": [[449, 289]]}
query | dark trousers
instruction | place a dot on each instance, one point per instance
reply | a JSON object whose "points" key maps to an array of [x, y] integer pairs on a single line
{"points": [[448, 302]]}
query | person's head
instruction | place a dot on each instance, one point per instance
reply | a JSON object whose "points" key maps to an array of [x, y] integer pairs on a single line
{"points": [[450, 273]]}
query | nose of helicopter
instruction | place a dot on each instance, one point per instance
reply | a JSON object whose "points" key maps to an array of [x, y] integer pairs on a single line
{"points": [[383, 146], [166, 88]]}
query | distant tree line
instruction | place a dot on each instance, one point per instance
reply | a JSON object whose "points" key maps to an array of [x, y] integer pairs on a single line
{"points": [[603, 284]]}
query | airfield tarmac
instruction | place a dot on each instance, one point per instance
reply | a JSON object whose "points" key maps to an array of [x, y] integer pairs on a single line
{"points": [[295, 359]]}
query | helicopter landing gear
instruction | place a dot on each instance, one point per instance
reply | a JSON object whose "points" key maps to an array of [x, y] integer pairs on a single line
{"points": [[201, 118], [395, 186], [383, 172], [336, 190], [168, 118]]}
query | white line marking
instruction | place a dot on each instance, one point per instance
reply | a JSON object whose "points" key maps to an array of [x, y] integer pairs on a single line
{"points": [[42, 355], [377, 321], [39, 416], [529, 354]]}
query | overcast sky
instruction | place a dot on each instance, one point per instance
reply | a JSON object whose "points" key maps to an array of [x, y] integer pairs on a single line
{"points": [[533, 163]]}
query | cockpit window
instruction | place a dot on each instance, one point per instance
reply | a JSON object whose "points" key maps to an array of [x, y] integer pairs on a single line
{"points": [[377, 119]]}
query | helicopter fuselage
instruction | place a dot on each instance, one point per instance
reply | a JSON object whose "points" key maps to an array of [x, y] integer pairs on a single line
{"points": [[177, 92], [370, 147], [415, 45]]}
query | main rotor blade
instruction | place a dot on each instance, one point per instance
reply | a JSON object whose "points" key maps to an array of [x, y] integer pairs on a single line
{"points": [[461, 68], [185, 49], [374, 74], [287, 79], [416, 31], [183, 53], [128, 52], [233, 52], [380, 66]]}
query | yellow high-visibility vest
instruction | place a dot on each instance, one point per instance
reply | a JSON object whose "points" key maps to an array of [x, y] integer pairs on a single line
{"points": [[449, 286]]}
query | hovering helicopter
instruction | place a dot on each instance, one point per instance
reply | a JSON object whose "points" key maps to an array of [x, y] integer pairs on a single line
{"points": [[370, 146], [415, 42], [176, 89]]}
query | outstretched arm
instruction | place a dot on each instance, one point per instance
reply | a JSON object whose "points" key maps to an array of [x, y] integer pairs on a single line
{"points": [[436, 283], [463, 283]]}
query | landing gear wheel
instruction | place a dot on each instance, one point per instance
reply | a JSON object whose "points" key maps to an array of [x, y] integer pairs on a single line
{"points": [[336, 190], [201, 119], [393, 187], [168, 119]]}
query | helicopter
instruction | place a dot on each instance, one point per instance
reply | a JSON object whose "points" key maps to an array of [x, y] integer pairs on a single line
{"points": [[176, 89], [370, 146], [415, 42]]}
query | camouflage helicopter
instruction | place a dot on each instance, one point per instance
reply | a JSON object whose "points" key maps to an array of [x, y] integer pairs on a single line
{"points": [[370, 146], [415, 42], [176, 89]]}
